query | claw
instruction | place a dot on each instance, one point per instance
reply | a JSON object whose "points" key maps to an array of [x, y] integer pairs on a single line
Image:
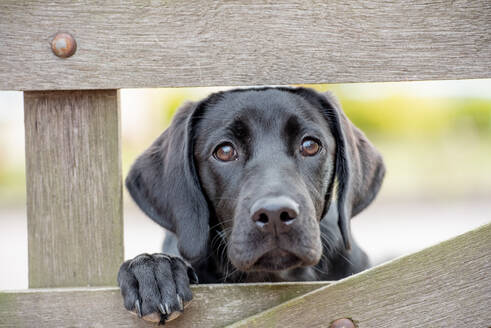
{"points": [[167, 309], [181, 304], [162, 310], [138, 308], [165, 313], [193, 275]]}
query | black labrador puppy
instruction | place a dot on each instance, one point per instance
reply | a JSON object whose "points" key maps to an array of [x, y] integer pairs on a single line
{"points": [[255, 185]]}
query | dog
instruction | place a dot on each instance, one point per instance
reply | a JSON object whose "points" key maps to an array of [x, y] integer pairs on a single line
{"points": [[255, 184]]}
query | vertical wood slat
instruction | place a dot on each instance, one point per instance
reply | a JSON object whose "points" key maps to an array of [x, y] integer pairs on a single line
{"points": [[74, 187]]}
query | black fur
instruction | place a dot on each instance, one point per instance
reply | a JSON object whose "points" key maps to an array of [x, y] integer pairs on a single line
{"points": [[206, 204]]}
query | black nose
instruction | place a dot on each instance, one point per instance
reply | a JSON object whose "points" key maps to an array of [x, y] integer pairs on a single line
{"points": [[274, 214]]}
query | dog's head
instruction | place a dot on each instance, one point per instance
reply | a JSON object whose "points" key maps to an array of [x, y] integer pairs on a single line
{"points": [[266, 164]]}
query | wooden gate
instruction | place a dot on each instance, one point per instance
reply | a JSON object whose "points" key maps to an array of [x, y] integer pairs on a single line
{"points": [[73, 146]]}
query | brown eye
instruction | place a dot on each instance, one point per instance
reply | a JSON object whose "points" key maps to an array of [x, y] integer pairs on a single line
{"points": [[225, 152], [309, 147]]}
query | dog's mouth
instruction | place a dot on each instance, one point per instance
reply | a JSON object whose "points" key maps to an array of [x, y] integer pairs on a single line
{"points": [[276, 260]]}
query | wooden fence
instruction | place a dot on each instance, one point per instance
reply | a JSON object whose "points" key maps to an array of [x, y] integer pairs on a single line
{"points": [[73, 146]]}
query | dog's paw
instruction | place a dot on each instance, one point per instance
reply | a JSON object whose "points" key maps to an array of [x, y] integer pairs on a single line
{"points": [[156, 287]]}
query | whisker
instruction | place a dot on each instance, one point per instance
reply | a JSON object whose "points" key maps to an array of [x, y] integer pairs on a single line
{"points": [[224, 198], [348, 260], [319, 270], [230, 274], [221, 223]]}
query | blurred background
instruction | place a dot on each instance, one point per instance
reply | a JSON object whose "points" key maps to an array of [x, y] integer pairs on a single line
{"points": [[435, 138]]}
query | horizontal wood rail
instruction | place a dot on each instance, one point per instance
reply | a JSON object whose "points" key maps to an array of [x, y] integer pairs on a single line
{"points": [[447, 285], [135, 44], [213, 305]]}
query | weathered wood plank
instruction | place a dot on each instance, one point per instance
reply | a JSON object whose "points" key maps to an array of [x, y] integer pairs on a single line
{"points": [[213, 306], [126, 44], [74, 188], [447, 285]]}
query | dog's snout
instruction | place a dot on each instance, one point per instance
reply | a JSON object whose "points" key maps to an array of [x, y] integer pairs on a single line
{"points": [[274, 214]]}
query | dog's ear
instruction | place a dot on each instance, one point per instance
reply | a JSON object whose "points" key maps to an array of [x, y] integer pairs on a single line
{"points": [[359, 166], [164, 183]]}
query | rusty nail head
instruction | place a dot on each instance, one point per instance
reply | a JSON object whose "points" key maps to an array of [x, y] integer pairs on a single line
{"points": [[63, 45], [343, 323]]}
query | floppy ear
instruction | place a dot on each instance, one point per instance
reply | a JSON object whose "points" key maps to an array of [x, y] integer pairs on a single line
{"points": [[359, 166], [164, 183]]}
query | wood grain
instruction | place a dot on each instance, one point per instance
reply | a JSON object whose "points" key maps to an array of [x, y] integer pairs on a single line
{"points": [[212, 306], [129, 44], [447, 285], [74, 187]]}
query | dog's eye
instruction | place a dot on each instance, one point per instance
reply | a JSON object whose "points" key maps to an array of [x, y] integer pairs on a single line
{"points": [[225, 152], [309, 147]]}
